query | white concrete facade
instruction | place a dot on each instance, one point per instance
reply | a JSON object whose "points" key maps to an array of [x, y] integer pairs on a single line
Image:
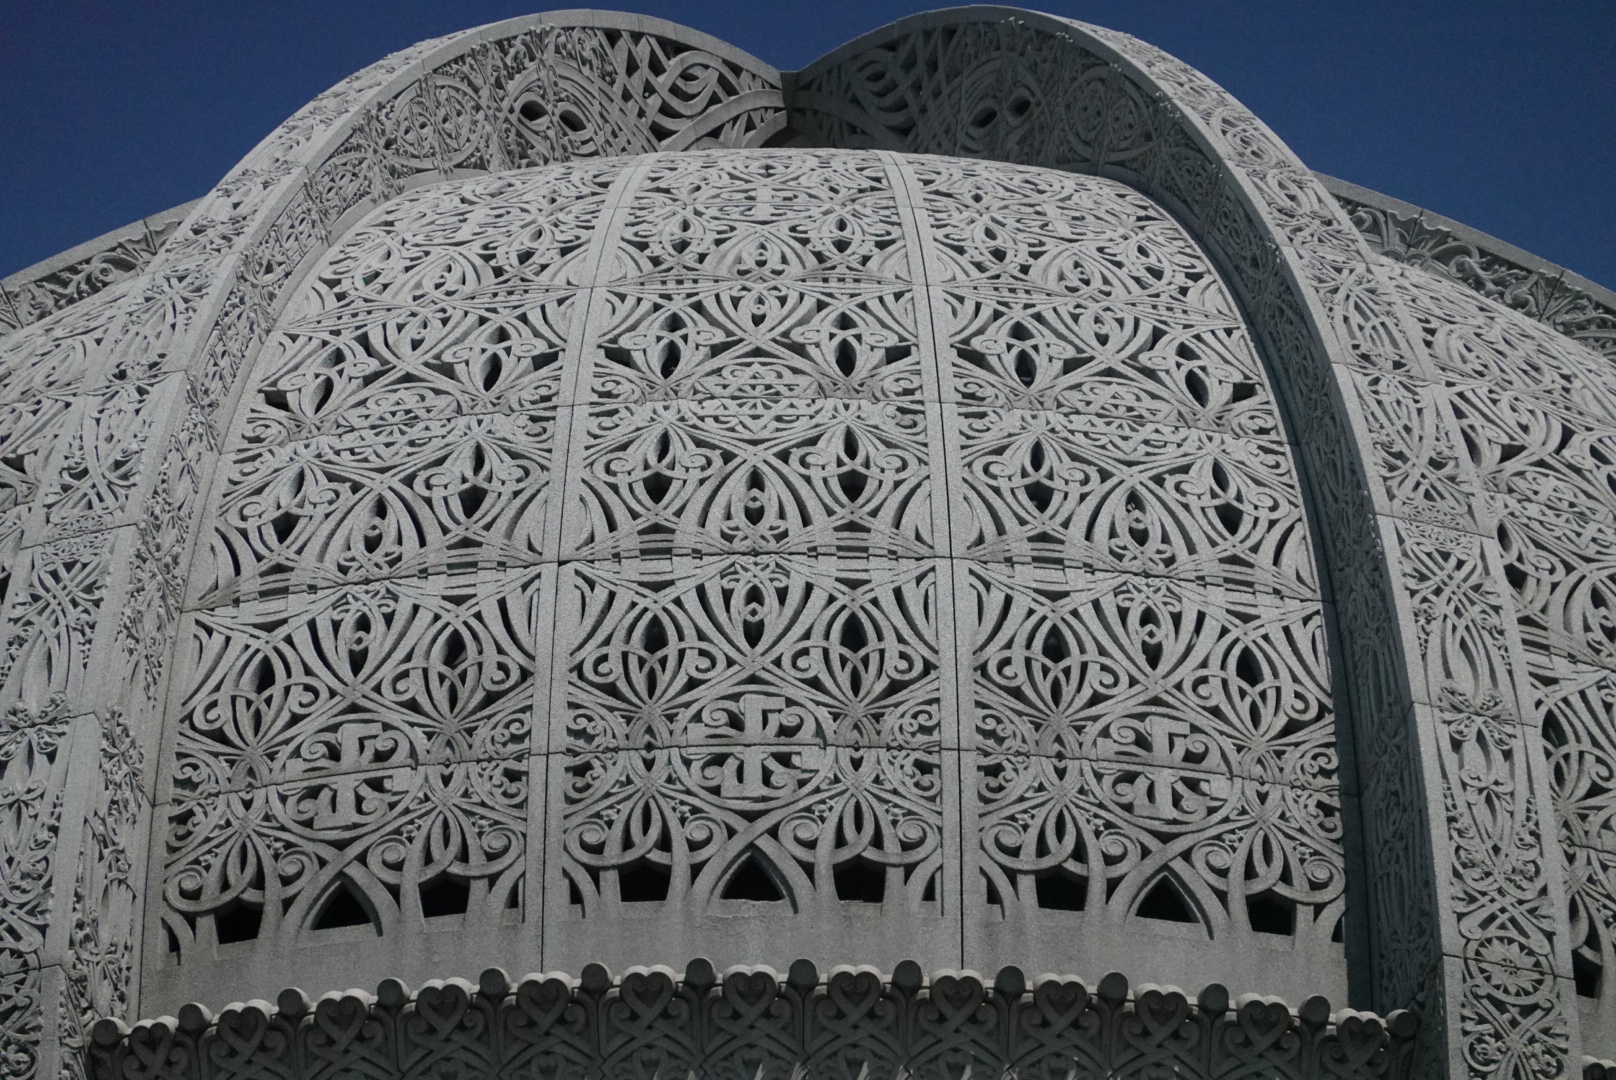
{"points": [[576, 496]]}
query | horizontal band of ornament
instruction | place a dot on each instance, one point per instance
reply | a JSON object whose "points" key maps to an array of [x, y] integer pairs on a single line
{"points": [[39, 291], [1567, 302], [753, 1022]]}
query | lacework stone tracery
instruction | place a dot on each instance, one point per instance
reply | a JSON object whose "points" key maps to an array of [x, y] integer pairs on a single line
{"points": [[1466, 902], [1537, 413], [816, 608], [40, 291], [115, 398], [855, 535], [1545, 293]]}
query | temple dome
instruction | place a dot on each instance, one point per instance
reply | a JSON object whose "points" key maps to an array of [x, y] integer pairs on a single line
{"points": [[968, 557], [759, 554]]}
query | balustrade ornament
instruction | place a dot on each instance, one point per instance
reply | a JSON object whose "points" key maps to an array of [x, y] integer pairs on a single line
{"points": [[748, 1022]]}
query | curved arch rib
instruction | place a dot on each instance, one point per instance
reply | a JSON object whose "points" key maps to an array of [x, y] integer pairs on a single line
{"points": [[1465, 902], [142, 400]]}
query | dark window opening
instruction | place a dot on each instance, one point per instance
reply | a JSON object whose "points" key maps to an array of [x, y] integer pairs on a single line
{"points": [[572, 120], [1060, 891], [1587, 973], [751, 882], [1164, 902], [1270, 914], [343, 908], [644, 882], [861, 882], [445, 896], [238, 923]]}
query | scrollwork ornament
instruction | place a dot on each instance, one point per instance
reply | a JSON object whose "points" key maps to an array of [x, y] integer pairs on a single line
{"points": [[122, 390], [784, 528], [1347, 357]]}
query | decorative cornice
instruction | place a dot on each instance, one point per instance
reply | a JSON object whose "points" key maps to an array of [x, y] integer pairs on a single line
{"points": [[1553, 295], [752, 1022], [41, 290]]}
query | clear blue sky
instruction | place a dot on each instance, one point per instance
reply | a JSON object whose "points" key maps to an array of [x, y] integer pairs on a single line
{"points": [[1499, 114]]}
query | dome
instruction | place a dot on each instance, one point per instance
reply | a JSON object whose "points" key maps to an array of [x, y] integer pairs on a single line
{"points": [[965, 558], [784, 523]]}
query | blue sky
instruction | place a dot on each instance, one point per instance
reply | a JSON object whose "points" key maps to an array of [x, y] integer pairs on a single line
{"points": [[1499, 114]]}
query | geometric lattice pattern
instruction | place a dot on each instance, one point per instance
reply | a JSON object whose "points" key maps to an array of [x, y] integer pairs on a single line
{"points": [[766, 527], [637, 545]]}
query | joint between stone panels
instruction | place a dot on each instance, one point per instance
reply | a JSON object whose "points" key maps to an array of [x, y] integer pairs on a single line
{"points": [[1470, 528], [1547, 971], [76, 537], [1554, 294]]}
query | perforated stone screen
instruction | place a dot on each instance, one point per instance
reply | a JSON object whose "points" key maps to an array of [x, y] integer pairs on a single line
{"points": [[758, 554], [577, 498]]}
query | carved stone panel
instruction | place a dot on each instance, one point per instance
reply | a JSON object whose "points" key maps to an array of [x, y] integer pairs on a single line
{"points": [[1539, 421], [113, 411], [760, 530], [839, 553]]}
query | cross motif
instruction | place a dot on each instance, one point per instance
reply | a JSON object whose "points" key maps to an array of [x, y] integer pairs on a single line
{"points": [[1160, 747], [338, 803], [751, 767]]}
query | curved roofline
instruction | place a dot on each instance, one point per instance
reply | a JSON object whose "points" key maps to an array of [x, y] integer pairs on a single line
{"points": [[1409, 563], [620, 20], [1567, 302], [53, 283], [153, 227], [40, 290], [921, 19], [1465, 234]]}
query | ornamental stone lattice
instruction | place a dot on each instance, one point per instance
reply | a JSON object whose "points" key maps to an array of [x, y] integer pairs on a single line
{"points": [[789, 558]]}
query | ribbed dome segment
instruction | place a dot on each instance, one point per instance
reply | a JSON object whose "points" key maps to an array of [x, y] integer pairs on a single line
{"points": [[756, 554]]}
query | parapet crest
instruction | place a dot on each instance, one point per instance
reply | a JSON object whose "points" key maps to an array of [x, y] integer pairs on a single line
{"points": [[756, 1022]]}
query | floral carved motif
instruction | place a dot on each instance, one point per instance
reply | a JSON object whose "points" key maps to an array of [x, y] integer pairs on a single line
{"points": [[114, 373], [781, 465]]}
